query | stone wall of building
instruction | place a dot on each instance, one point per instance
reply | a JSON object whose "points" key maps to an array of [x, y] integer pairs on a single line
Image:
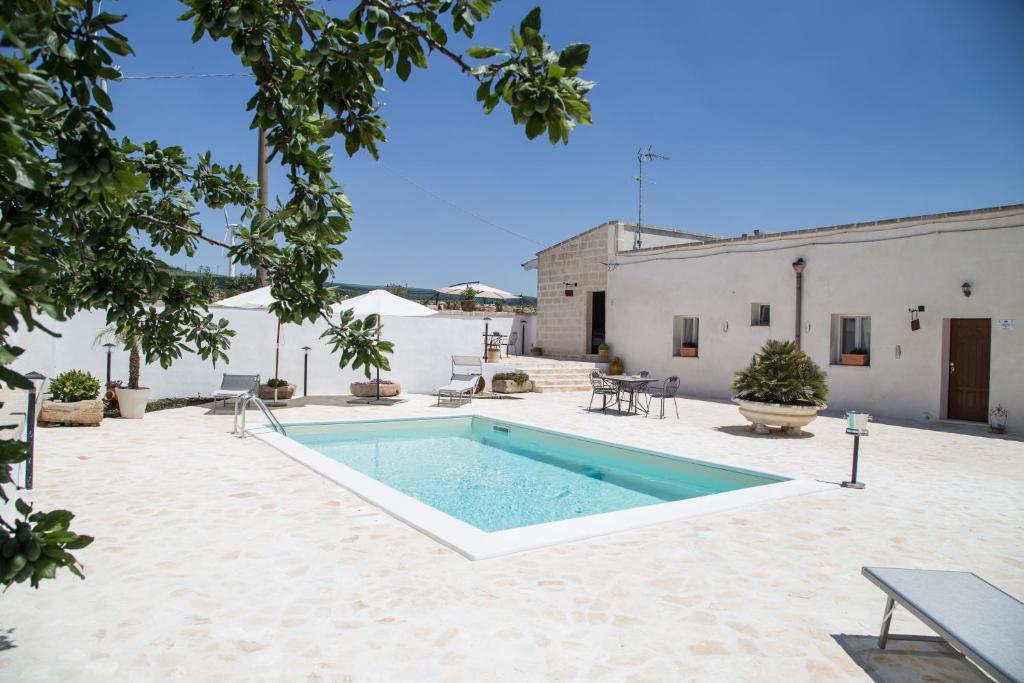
{"points": [[563, 322]]}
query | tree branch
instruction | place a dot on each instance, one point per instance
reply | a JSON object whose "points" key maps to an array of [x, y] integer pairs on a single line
{"points": [[180, 228], [431, 43]]}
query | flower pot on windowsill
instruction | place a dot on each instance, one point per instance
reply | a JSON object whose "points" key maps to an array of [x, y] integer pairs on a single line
{"points": [[132, 402], [468, 305], [853, 359], [283, 393], [688, 351]]}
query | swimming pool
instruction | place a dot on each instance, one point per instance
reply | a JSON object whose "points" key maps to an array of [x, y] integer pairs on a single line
{"points": [[488, 487]]}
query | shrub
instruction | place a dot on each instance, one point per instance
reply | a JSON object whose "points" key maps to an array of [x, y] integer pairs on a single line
{"points": [[780, 373], [536, 351], [374, 381], [499, 306], [272, 383], [603, 347], [518, 377], [469, 293], [74, 385]]}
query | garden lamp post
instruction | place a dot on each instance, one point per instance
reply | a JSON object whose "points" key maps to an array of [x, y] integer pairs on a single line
{"points": [[305, 370], [522, 341], [487, 326], [109, 346], [857, 426], [30, 425]]}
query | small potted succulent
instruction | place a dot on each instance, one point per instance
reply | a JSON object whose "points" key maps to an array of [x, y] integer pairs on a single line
{"points": [[511, 383], [277, 389], [997, 420], [688, 349], [75, 400], [468, 301], [602, 352], [782, 387], [536, 351], [855, 357], [368, 389]]}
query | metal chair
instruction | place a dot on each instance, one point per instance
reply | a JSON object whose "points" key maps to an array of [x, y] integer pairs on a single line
{"points": [[666, 389], [513, 340], [603, 388]]}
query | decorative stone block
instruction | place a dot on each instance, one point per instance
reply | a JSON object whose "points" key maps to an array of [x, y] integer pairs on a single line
{"points": [[86, 413]]}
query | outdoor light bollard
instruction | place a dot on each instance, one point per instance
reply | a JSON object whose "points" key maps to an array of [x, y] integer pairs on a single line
{"points": [[305, 370], [109, 346], [857, 426], [30, 426]]}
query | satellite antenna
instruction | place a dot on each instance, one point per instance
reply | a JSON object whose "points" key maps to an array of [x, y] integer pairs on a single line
{"points": [[643, 155], [229, 237]]}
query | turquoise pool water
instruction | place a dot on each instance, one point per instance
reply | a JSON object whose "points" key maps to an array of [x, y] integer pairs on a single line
{"points": [[495, 475]]}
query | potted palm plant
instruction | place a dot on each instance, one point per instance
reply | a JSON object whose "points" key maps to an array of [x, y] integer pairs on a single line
{"points": [[131, 399], [468, 299], [782, 387]]}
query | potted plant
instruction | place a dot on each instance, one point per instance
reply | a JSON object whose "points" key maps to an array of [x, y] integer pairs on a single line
{"points": [[536, 351], [494, 348], [602, 352], [131, 399], [997, 420], [782, 387], [688, 349], [277, 389], [616, 367], [74, 400], [854, 357], [511, 383], [368, 389], [468, 299]]}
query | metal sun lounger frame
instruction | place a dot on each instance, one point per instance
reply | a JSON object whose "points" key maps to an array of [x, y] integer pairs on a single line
{"points": [[466, 373], [948, 602]]}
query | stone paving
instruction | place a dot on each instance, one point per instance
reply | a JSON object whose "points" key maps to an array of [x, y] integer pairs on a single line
{"points": [[220, 559]]}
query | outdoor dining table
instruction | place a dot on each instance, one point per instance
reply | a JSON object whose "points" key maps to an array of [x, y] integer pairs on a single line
{"points": [[631, 384]]}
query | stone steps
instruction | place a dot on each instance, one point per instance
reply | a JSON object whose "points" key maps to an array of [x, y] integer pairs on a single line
{"points": [[556, 375]]}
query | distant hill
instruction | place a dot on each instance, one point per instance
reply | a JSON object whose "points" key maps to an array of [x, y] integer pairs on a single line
{"points": [[227, 286]]}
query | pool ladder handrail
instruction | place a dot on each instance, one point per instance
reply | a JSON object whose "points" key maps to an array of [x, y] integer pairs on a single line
{"points": [[245, 400]]}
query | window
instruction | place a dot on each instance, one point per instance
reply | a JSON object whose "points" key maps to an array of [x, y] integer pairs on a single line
{"points": [[685, 332], [760, 315], [851, 339]]}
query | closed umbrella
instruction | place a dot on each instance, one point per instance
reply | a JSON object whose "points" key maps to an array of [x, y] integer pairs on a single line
{"points": [[381, 303]]}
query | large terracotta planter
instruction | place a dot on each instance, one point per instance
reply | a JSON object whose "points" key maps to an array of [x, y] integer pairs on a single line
{"points": [[854, 359], [688, 351], [468, 305], [764, 415], [602, 355], [493, 354], [367, 390], [85, 413], [283, 393], [507, 386], [132, 402]]}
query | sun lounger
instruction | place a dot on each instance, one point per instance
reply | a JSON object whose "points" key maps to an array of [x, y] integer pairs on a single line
{"points": [[466, 373], [981, 621], [235, 386]]}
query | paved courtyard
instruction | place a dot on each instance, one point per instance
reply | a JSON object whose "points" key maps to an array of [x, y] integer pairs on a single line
{"points": [[220, 559]]}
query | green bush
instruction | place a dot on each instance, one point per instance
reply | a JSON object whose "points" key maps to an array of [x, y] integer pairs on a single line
{"points": [[603, 347], [781, 373], [517, 377], [74, 385], [272, 383]]}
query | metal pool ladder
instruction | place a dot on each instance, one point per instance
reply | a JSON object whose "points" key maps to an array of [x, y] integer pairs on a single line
{"points": [[267, 413]]}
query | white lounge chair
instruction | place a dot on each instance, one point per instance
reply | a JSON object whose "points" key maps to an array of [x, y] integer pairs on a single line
{"points": [[236, 387], [466, 373]]}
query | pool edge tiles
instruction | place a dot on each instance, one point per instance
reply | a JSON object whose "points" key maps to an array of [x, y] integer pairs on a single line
{"points": [[476, 544]]}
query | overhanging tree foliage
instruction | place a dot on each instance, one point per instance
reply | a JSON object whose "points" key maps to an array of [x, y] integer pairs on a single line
{"points": [[81, 210]]}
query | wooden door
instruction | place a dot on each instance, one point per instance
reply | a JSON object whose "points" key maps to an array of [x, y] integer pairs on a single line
{"points": [[969, 342]]}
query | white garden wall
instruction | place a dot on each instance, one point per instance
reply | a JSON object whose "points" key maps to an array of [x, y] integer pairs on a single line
{"points": [[421, 361]]}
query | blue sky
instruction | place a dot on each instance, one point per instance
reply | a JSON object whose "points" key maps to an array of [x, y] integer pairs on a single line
{"points": [[782, 115]]}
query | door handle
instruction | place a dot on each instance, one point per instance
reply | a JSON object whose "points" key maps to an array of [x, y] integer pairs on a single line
{"points": [[952, 367]]}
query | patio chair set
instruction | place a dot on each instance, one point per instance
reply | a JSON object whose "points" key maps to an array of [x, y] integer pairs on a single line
{"points": [[637, 391]]}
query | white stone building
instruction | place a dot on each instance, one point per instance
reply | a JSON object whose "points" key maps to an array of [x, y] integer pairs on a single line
{"points": [[959, 275]]}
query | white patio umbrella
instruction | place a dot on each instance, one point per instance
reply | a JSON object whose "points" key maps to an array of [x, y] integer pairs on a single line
{"points": [[383, 303], [482, 290], [256, 300]]}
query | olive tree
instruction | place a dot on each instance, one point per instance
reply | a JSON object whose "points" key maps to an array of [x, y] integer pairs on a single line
{"points": [[83, 210]]}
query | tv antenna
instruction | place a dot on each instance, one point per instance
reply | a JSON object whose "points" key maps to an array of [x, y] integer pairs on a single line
{"points": [[643, 155], [229, 237]]}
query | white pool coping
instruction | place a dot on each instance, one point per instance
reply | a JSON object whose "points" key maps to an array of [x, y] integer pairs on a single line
{"points": [[475, 544]]}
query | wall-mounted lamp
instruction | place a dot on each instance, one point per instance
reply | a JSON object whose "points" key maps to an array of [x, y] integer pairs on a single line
{"points": [[725, 326], [915, 323], [966, 289], [569, 286]]}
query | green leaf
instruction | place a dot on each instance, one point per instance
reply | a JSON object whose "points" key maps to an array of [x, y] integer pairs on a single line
{"points": [[534, 126], [479, 52], [531, 21], [574, 57]]}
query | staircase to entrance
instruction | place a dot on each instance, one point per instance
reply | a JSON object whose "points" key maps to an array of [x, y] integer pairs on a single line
{"points": [[558, 374]]}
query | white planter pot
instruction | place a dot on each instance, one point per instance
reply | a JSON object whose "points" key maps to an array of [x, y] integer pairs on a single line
{"points": [[132, 402], [764, 415]]}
